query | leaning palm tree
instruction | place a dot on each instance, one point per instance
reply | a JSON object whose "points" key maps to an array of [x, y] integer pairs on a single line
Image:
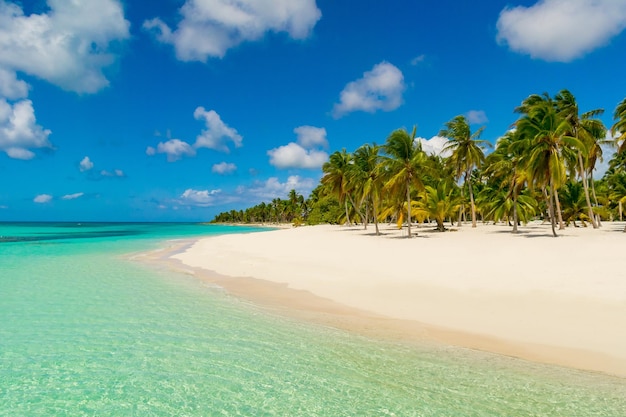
{"points": [[404, 165], [588, 130], [336, 177], [619, 127], [467, 153]]}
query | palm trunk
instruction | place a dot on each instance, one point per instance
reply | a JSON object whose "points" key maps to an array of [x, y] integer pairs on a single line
{"points": [[461, 209], [356, 208], [375, 217], [595, 197], [408, 208], [347, 213], [367, 213], [558, 209], [621, 211], [514, 213], [551, 208], [583, 177], [471, 194]]}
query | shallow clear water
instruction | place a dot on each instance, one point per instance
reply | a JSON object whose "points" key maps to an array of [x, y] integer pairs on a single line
{"points": [[84, 331]]}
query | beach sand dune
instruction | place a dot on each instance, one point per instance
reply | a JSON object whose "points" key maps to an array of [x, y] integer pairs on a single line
{"points": [[554, 300]]}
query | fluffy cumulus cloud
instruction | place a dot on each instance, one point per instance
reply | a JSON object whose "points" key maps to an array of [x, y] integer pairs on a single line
{"points": [[209, 28], [19, 131], [85, 164], [69, 45], [175, 149], [305, 153], [217, 134], [274, 188], [476, 117], [11, 87], [378, 89], [561, 30], [435, 146], [224, 168], [72, 196], [43, 198], [293, 155], [199, 198], [311, 136]]}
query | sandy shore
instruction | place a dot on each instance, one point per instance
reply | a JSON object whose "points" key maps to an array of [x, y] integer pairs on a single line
{"points": [[554, 300]]}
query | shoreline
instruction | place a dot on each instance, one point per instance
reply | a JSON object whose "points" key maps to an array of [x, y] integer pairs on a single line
{"points": [[551, 319]]}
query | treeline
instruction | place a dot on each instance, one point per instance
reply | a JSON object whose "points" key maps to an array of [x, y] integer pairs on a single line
{"points": [[541, 168]]}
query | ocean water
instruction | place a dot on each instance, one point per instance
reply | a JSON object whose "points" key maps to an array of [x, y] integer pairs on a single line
{"points": [[85, 331]]}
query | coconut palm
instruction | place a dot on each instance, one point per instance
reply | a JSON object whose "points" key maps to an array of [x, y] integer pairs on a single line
{"points": [[503, 167], [467, 153], [546, 130], [365, 175], [588, 130], [439, 203], [336, 177], [619, 127], [404, 165]]}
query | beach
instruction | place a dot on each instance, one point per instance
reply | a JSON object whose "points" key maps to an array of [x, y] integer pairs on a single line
{"points": [[551, 300]]}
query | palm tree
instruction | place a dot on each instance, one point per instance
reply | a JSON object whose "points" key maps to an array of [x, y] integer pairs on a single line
{"points": [[336, 177], [440, 203], [574, 203], [619, 127], [404, 166], [365, 175], [588, 130], [547, 132], [467, 153], [503, 167]]}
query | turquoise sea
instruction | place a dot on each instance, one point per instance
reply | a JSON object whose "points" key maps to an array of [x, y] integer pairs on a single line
{"points": [[85, 331]]}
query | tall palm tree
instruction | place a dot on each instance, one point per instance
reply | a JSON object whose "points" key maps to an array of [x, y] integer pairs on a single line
{"points": [[336, 177], [546, 130], [588, 130], [365, 174], [467, 153], [404, 165], [504, 168], [619, 127]]}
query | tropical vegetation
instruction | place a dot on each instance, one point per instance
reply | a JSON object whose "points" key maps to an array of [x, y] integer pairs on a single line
{"points": [[542, 168]]}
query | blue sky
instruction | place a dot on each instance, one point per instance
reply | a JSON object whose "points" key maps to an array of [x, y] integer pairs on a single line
{"points": [[178, 109]]}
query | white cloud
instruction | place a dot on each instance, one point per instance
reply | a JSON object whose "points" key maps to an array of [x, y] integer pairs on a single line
{"points": [[273, 188], [418, 60], [294, 155], [476, 117], [608, 151], [217, 133], [561, 30], [19, 130], [43, 198], [11, 87], [224, 168], [85, 164], [210, 27], [378, 89], [68, 46], [116, 173], [72, 196], [175, 149], [435, 145], [200, 198], [311, 136]]}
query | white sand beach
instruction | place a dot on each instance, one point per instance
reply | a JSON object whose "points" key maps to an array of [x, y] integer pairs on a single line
{"points": [[553, 300]]}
